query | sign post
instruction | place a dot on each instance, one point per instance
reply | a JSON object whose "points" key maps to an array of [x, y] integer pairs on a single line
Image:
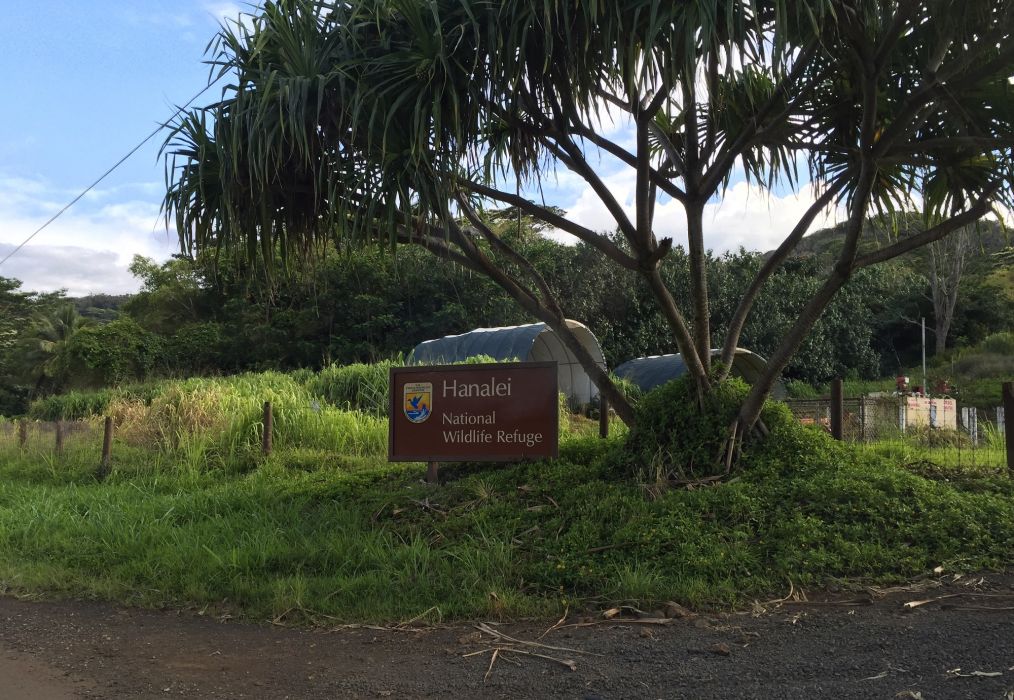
{"points": [[473, 413]]}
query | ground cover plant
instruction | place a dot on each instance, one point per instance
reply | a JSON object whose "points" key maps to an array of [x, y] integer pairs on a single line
{"points": [[325, 529]]}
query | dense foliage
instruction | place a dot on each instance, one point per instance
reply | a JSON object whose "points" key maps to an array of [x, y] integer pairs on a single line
{"points": [[206, 317]]}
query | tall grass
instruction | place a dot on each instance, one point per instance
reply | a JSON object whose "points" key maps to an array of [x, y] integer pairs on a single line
{"points": [[206, 424], [355, 387], [225, 414]]}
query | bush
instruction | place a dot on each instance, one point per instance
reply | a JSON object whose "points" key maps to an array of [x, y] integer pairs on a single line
{"points": [[112, 353], [194, 348], [984, 365], [675, 437], [999, 343]]}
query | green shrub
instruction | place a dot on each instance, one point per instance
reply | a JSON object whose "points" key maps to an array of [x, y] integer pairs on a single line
{"points": [[984, 365], [798, 389], [194, 348], [112, 353], [999, 343], [675, 436]]}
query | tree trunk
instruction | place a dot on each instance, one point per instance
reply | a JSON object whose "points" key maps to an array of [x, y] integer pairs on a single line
{"points": [[946, 263], [699, 283], [684, 340]]}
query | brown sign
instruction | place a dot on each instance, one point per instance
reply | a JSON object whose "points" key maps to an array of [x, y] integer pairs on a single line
{"points": [[479, 413]]}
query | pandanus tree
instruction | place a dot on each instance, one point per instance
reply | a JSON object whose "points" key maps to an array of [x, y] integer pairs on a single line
{"points": [[401, 121]]}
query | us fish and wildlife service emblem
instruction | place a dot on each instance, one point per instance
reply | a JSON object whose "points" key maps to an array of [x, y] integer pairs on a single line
{"points": [[418, 402]]}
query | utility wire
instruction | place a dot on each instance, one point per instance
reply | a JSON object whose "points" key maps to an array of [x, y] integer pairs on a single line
{"points": [[104, 175]]}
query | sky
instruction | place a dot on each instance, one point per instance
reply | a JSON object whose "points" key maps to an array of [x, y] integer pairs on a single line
{"points": [[88, 81], [84, 83]]}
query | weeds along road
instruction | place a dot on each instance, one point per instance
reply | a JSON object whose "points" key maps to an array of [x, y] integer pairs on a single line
{"points": [[851, 645]]}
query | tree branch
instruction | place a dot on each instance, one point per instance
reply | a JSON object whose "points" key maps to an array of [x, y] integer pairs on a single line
{"points": [[981, 207], [597, 240], [770, 266], [684, 340], [642, 187], [548, 311], [581, 167], [657, 178]]}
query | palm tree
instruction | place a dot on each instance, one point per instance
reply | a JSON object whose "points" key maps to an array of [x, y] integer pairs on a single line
{"points": [[398, 121], [41, 354]]}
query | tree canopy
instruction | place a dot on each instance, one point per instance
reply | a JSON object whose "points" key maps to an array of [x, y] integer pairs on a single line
{"points": [[401, 120]]}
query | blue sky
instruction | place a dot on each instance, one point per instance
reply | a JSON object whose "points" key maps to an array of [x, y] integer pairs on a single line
{"points": [[86, 81]]}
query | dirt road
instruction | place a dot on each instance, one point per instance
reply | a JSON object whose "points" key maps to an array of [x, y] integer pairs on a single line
{"points": [[851, 645]]}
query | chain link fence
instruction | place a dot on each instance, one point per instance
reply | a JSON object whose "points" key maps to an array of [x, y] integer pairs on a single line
{"points": [[934, 430]]}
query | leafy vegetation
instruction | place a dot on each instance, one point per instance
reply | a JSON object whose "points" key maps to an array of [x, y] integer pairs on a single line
{"points": [[324, 526]]}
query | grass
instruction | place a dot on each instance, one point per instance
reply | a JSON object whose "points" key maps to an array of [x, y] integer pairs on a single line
{"points": [[357, 539], [326, 529]]}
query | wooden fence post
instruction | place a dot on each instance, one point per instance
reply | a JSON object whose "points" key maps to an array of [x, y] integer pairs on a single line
{"points": [[23, 433], [268, 428], [1008, 414], [107, 447], [603, 416], [837, 409], [58, 447]]}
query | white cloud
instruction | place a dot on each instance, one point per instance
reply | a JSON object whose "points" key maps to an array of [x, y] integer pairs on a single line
{"points": [[226, 11], [87, 249], [746, 215], [81, 271]]}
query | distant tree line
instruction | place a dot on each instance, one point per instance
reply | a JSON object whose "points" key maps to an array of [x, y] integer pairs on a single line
{"points": [[207, 316]]}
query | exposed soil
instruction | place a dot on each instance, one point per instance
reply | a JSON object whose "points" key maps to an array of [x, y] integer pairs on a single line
{"points": [[855, 644]]}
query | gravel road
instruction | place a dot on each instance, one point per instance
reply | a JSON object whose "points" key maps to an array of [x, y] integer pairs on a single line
{"points": [[862, 643]]}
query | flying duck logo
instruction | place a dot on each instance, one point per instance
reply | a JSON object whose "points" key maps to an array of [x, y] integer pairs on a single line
{"points": [[418, 402]]}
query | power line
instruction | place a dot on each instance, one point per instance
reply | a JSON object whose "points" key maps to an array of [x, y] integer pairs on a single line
{"points": [[106, 174]]}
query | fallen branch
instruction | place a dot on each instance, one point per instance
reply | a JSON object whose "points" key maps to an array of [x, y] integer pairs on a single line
{"points": [[486, 629], [912, 604], [559, 622], [496, 653], [622, 621], [857, 601], [499, 653]]}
